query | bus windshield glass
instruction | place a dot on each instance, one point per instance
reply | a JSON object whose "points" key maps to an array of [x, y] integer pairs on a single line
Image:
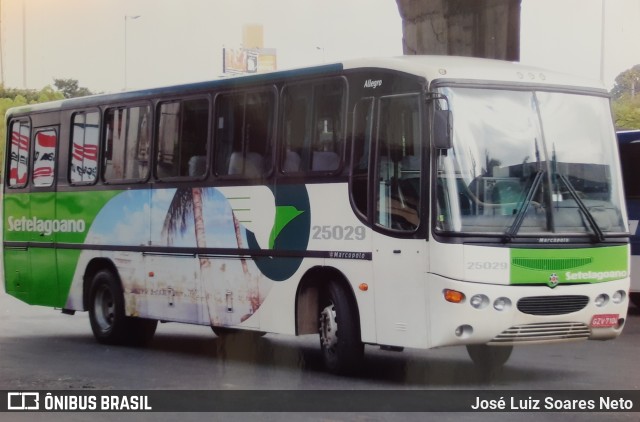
{"points": [[527, 163]]}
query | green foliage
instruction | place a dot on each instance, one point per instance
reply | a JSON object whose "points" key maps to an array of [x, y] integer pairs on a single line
{"points": [[70, 88], [626, 99], [12, 97], [627, 112]]}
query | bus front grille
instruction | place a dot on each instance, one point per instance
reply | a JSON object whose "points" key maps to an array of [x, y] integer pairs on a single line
{"points": [[546, 332], [552, 305]]}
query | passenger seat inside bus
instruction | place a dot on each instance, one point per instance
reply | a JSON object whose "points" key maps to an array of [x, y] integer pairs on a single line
{"points": [[197, 165], [250, 166], [291, 162], [325, 161]]}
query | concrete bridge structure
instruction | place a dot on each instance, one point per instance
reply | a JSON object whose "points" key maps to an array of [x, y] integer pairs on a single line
{"points": [[476, 28]]}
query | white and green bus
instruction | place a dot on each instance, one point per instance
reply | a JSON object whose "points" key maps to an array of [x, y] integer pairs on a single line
{"points": [[412, 202]]}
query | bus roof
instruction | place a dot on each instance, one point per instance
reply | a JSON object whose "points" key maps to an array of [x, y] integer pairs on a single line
{"points": [[431, 68], [476, 69]]}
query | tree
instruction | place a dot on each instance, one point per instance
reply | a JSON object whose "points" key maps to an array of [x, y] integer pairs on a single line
{"points": [[627, 83], [12, 97], [626, 99], [70, 88]]}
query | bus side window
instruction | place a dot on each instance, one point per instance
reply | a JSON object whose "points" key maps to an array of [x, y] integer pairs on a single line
{"points": [[19, 153], [361, 144], [313, 126], [85, 138], [126, 156], [297, 111], [244, 134], [44, 159], [398, 163], [183, 130]]}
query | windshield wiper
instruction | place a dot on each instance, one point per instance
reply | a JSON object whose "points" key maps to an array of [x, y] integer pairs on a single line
{"points": [[522, 212], [592, 221]]}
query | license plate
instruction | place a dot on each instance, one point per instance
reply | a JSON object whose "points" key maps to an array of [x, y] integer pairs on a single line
{"points": [[604, 320]]}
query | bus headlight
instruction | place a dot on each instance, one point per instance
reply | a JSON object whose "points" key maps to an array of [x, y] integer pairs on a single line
{"points": [[602, 300], [502, 304], [619, 296], [479, 301]]}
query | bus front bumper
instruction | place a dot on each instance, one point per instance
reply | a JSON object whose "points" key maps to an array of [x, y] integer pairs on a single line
{"points": [[517, 315]]}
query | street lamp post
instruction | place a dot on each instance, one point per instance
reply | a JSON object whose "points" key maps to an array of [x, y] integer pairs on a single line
{"points": [[322, 49], [126, 18]]}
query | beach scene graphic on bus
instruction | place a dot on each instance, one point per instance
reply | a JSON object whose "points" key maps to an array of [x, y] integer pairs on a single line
{"points": [[202, 287]]}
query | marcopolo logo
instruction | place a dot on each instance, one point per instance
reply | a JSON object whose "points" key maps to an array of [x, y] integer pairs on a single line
{"points": [[46, 227]]}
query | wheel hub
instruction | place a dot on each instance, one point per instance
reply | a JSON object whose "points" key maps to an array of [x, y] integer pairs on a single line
{"points": [[104, 308], [328, 327]]}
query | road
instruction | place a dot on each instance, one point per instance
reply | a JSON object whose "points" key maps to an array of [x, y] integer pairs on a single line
{"points": [[40, 348]]}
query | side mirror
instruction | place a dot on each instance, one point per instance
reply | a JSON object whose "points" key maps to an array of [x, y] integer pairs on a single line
{"points": [[442, 129]]}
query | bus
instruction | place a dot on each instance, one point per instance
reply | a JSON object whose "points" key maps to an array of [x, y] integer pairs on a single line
{"points": [[408, 202], [629, 146]]}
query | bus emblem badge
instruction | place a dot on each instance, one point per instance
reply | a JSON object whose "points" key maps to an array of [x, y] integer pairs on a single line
{"points": [[553, 280]]}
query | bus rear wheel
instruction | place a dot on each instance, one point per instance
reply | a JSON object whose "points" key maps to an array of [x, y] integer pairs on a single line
{"points": [[107, 317], [489, 358], [340, 342]]}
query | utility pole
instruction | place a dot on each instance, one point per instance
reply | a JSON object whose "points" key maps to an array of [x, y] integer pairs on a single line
{"points": [[24, 44], [126, 18], [1, 51]]}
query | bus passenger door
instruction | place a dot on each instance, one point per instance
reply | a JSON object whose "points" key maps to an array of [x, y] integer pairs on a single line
{"points": [[399, 246], [44, 225]]}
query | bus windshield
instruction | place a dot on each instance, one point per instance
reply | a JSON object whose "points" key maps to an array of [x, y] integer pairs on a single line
{"points": [[529, 163]]}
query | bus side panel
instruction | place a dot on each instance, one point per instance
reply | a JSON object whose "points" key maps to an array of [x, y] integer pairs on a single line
{"points": [[17, 273], [17, 270], [633, 208], [68, 260], [80, 209], [334, 228], [42, 252]]}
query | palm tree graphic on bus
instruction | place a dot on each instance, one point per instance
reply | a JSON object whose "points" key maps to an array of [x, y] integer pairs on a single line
{"points": [[284, 213]]}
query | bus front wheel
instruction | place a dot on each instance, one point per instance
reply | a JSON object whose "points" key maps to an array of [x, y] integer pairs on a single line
{"points": [[107, 317], [340, 342], [489, 358]]}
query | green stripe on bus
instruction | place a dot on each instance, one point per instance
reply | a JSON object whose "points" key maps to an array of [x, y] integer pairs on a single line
{"points": [[564, 266]]}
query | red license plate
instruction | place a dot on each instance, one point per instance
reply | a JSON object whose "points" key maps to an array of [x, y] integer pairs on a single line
{"points": [[604, 320]]}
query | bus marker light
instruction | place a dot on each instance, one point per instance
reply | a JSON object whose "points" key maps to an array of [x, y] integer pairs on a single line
{"points": [[479, 301], [151, 274], [453, 296], [602, 300], [464, 331], [364, 287], [501, 304], [619, 296]]}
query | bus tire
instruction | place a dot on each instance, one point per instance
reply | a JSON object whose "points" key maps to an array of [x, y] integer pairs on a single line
{"points": [[107, 317], [489, 358], [140, 331], [635, 299], [340, 341]]}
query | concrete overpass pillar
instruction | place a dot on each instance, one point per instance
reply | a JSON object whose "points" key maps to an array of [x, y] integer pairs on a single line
{"points": [[477, 28]]}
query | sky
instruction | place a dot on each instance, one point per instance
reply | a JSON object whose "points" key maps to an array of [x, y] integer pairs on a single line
{"points": [[176, 41]]}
